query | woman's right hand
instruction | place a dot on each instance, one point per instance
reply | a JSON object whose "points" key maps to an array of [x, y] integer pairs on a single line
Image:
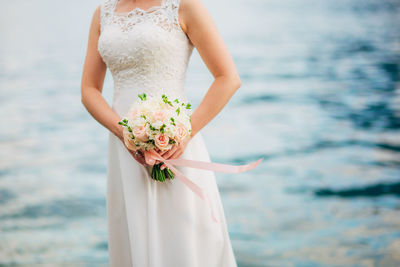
{"points": [[137, 155]]}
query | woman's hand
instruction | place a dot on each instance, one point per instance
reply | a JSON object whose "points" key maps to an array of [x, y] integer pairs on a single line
{"points": [[176, 151], [137, 155]]}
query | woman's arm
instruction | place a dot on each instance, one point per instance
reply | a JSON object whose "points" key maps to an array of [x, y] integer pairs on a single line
{"points": [[202, 31], [94, 71], [199, 26]]}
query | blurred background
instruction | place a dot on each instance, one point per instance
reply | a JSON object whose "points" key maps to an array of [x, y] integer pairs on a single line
{"points": [[320, 101]]}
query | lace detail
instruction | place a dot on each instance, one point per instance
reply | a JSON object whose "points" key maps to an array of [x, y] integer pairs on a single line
{"points": [[164, 15], [145, 50]]}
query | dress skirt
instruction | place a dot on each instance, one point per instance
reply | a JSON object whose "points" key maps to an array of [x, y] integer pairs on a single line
{"points": [[163, 224]]}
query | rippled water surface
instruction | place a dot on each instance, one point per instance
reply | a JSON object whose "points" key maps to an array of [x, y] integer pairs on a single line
{"points": [[320, 101]]}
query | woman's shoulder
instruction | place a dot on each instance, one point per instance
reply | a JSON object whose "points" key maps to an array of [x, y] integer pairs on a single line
{"points": [[185, 4], [191, 7], [191, 11], [97, 12]]}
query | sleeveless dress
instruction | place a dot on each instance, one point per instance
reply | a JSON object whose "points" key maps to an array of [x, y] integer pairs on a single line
{"points": [[151, 223]]}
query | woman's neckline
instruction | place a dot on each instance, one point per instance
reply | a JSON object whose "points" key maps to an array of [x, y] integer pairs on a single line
{"points": [[137, 9]]}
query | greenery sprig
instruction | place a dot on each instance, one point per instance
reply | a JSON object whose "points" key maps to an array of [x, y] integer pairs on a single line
{"points": [[142, 97], [166, 100]]}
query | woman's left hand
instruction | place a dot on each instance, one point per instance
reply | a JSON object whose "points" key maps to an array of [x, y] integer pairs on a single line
{"points": [[176, 151]]}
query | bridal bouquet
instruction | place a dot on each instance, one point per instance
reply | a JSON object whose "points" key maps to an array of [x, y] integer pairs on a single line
{"points": [[156, 122]]}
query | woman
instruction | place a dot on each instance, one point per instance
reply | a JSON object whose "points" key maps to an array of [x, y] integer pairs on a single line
{"points": [[147, 44]]}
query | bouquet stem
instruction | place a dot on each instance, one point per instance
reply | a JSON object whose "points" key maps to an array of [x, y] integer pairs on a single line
{"points": [[161, 175]]}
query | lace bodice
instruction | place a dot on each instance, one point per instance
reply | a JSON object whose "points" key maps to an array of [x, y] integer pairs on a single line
{"points": [[145, 51]]}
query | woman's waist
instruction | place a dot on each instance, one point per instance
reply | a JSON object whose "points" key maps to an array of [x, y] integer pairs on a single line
{"points": [[149, 84], [131, 93]]}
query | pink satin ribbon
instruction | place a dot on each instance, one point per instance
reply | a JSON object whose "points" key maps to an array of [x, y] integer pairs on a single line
{"points": [[151, 156]]}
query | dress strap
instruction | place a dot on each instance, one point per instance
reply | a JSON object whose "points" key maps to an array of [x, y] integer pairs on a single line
{"points": [[173, 8], [173, 5], [165, 15], [106, 9], [108, 5]]}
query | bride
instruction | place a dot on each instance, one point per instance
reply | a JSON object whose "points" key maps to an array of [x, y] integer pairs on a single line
{"points": [[146, 45]]}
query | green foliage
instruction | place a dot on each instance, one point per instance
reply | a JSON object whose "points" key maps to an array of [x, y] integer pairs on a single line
{"points": [[166, 100], [152, 128], [143, 96], [162, 129], [173, 121], [151, 141], [123, 122], [161, 175]]}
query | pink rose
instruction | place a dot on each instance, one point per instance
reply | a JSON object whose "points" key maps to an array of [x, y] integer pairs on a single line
{"points": [[162, 142], [159, 116], [140, 133], [130, 144], [181, 133]]}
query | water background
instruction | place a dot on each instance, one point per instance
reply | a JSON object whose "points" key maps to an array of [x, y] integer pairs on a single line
{"points": [[320, 101]]}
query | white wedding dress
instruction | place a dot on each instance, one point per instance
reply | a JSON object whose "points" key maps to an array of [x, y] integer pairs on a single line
{"points": [[151, 223]]}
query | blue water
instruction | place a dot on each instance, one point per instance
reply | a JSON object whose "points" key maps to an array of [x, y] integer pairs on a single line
{"points": [[320, 101]]}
